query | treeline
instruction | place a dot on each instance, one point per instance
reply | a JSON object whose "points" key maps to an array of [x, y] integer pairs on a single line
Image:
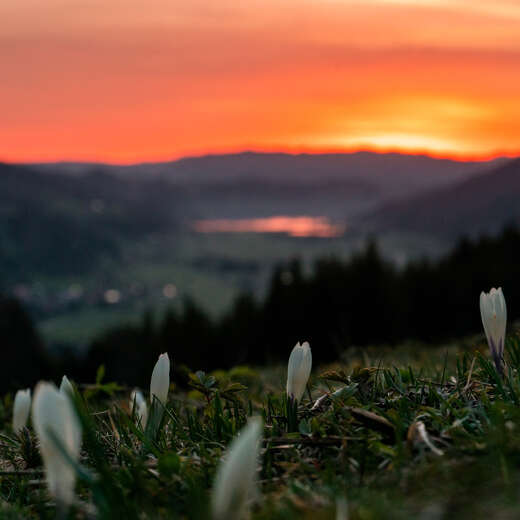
{"points": [[363, 301], [23, 356], [54, 224]]}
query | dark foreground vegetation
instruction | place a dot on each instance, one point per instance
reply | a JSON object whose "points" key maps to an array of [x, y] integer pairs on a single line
{"points": [[402, 439], [364, 301], [382, 432]]}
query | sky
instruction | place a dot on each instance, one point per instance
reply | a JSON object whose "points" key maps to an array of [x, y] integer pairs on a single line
{"points": [[129, 81]]}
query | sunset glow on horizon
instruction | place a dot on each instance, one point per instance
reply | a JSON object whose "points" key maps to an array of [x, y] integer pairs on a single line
{"points": [[141, 81]]}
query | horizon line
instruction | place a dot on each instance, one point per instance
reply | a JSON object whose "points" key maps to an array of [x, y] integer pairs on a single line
{"points": [[281, 150]]}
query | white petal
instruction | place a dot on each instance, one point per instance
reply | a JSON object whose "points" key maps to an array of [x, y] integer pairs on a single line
{"points": [[494, 317], [66, 387], [141, 409], [341, 508], [21, 409], [160, 382], [53, 414], [235, 480], [298, 370]]}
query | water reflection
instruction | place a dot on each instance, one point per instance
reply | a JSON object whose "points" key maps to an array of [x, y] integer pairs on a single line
{"points": [[300, 226]]}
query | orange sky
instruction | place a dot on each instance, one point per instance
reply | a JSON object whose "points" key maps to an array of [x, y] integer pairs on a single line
{"points": [[129, 80]]}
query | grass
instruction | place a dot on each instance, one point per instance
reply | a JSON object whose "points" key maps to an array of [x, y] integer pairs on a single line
{"points": [[413, 433], [211, 268]]}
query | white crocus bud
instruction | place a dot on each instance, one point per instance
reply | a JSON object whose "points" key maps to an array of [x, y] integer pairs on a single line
{"points": [[298, 370], [341, 508], [494, 318], [21, 409], [159, 385], [236, 476], [66, 387], [55, 421], [160, 381], [138, 406]]}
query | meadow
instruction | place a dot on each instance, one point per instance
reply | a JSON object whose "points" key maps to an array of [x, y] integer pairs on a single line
{"points": [[382, 433], [229, 423], [209, 268]]}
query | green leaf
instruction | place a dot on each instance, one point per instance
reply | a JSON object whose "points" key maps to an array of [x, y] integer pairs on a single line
{"points": [[169, 464], [100, 374]]}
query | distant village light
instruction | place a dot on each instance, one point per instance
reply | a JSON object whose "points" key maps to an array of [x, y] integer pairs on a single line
{"points": [[169, 291], [97, 206], [112, 296], [75, 291]]}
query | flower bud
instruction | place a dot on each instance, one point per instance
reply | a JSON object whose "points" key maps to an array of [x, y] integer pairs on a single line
{"points": [[160, 382], [57, 426], [298, 370], [235, 479], [494, 318], [138, 407], [21, 409]]}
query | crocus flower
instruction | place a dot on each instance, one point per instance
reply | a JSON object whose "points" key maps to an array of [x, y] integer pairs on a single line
{"points": [[235, 480], [138, 406], [159, 385], [66, 387], [21, 409], [298, 370], [494, 317], [341, 508], [160, 381], [56, 424]]}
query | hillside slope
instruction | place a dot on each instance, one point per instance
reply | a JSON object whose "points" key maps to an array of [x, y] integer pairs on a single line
{"points": [[392, 174], [57, 224], [483, 203]]}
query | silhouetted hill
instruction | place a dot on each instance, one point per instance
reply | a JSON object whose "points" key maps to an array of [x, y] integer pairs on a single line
{"points": [[392, 174], [483, 203], [58, 224], [84, 245]]}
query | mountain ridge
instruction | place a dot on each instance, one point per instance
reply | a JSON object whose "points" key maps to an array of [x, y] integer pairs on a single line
{"points": [[483, 203], [393, 174]]}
